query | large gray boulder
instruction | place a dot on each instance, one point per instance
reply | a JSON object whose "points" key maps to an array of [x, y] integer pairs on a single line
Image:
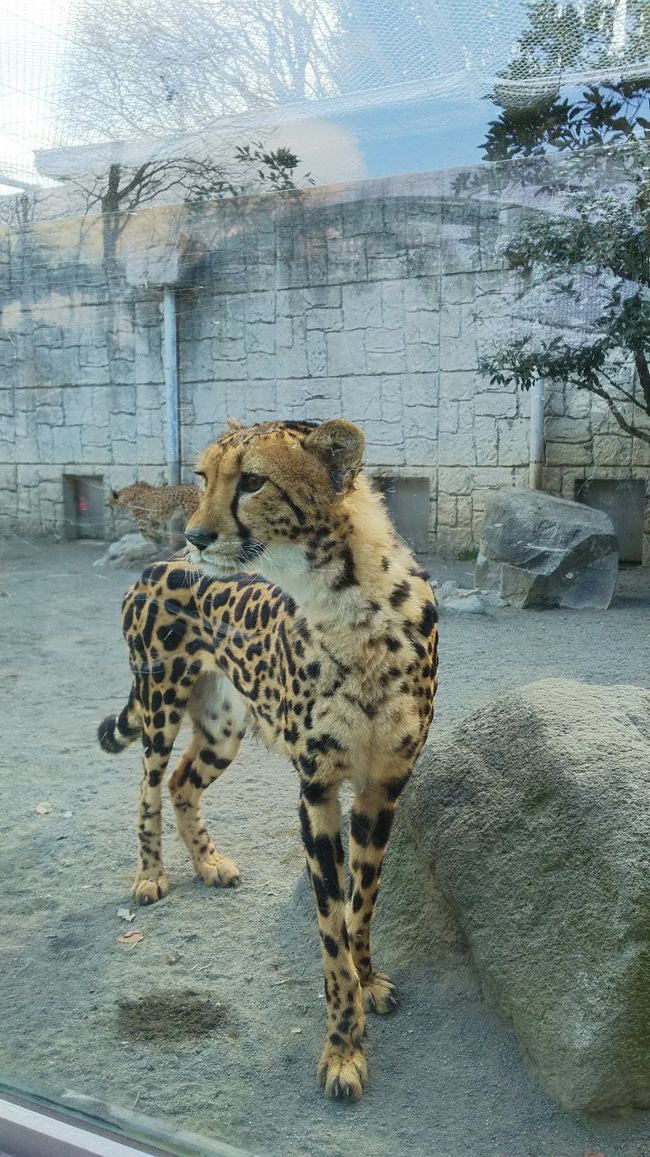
{"points": [[534, 814], [541, 551]]}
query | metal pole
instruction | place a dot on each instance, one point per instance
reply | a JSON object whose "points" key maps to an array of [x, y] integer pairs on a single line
{"points": [[170, 364], [537, 443]]}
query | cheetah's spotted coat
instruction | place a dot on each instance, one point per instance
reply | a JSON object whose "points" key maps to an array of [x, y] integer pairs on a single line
{"points": [[330, 658]]}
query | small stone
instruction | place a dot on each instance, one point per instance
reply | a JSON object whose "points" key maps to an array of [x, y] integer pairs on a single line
{"points": [[132, 550], [470, 604], [470, 600]]}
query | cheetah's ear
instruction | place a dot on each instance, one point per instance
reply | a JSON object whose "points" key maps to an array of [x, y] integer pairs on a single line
{"points": [[340, 443], [234, 424]]}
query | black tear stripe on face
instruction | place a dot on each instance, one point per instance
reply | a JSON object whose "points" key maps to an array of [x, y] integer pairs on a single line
{"points": [[244, 532], [251, 549], [299, 514]]}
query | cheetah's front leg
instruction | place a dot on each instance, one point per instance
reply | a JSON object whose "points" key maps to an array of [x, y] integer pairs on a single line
{"points": [[158, 734], [342, 1068], [150, 883], [371, 820]]}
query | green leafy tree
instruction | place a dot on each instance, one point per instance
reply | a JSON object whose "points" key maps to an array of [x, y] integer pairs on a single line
{"points": [[604, 246], [270, 170], [594, 249], [573, 81]]}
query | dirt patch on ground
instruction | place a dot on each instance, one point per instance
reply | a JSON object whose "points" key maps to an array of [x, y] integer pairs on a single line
{"points": [[225, 1041], [171, 1016]]}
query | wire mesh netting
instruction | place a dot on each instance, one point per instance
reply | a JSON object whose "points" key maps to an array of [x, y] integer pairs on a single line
{"points": [[71, 77], [432, 220]]}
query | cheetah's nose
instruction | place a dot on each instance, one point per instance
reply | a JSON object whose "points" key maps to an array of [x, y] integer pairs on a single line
{"points": [[200, 538]]}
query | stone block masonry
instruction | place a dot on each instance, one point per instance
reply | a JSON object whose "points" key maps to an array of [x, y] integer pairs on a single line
{"points": [[373, 300]]}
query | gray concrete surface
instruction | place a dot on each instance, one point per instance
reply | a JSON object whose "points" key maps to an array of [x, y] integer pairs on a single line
{"points": [[209, 1043]]}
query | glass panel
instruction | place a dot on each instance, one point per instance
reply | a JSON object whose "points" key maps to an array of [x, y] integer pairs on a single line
{"points": [[407, 245]]}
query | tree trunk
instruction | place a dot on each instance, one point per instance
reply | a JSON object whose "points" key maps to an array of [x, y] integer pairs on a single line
{"points": [[643, 371], [111, 228], [110, 203]]}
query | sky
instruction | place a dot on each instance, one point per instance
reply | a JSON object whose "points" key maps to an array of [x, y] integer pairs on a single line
{"points": [[443, 135]]}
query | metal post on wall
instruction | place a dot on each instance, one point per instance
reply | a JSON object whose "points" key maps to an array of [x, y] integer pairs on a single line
{"points": [[170, 369], [537, 440]]}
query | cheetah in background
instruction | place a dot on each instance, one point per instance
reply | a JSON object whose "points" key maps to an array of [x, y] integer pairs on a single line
{"points": [[154, 508], [330, 658]]}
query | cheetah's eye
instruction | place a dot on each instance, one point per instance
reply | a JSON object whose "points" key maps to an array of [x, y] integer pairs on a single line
{"points": [[201, 475], [251, 482]]}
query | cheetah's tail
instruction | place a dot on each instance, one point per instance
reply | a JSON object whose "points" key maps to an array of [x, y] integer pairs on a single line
{"points": [[116, 732]]}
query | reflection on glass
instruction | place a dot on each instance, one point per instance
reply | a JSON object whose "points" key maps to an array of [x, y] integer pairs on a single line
{"points": [[431, 222]]}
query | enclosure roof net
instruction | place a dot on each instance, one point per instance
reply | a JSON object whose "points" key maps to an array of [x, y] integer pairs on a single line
{"points": [[76, 73]]}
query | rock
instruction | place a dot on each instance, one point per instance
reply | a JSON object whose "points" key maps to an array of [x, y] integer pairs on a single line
{"points": [[467, 602], [535, 815], [447, 589], [469, 605], [131, 551], [540, 551]]}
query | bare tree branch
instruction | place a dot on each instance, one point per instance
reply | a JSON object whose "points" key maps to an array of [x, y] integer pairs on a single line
{"points": [[159, 68], [629, 427]]}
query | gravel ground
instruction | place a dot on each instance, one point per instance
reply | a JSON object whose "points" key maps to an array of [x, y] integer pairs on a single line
{"points": [[225, 1040]]}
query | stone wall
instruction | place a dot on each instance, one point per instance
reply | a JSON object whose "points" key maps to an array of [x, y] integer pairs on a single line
{"points": [[372, 300]]}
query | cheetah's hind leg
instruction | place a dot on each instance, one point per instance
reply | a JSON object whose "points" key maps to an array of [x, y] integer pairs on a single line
{"points": [[218, 719]]}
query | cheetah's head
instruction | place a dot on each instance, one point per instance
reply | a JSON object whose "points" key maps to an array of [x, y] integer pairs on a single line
{"points": [[271, 491], [127, 494]]}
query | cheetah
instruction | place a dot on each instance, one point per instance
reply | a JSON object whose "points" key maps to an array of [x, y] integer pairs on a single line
{"points": [[299, 614], [153, 508]]}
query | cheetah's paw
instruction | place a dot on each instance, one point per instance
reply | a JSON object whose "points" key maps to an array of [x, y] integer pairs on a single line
{"points": [[219, 872], [147, 890], [343, 1073], [379, 993]]}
